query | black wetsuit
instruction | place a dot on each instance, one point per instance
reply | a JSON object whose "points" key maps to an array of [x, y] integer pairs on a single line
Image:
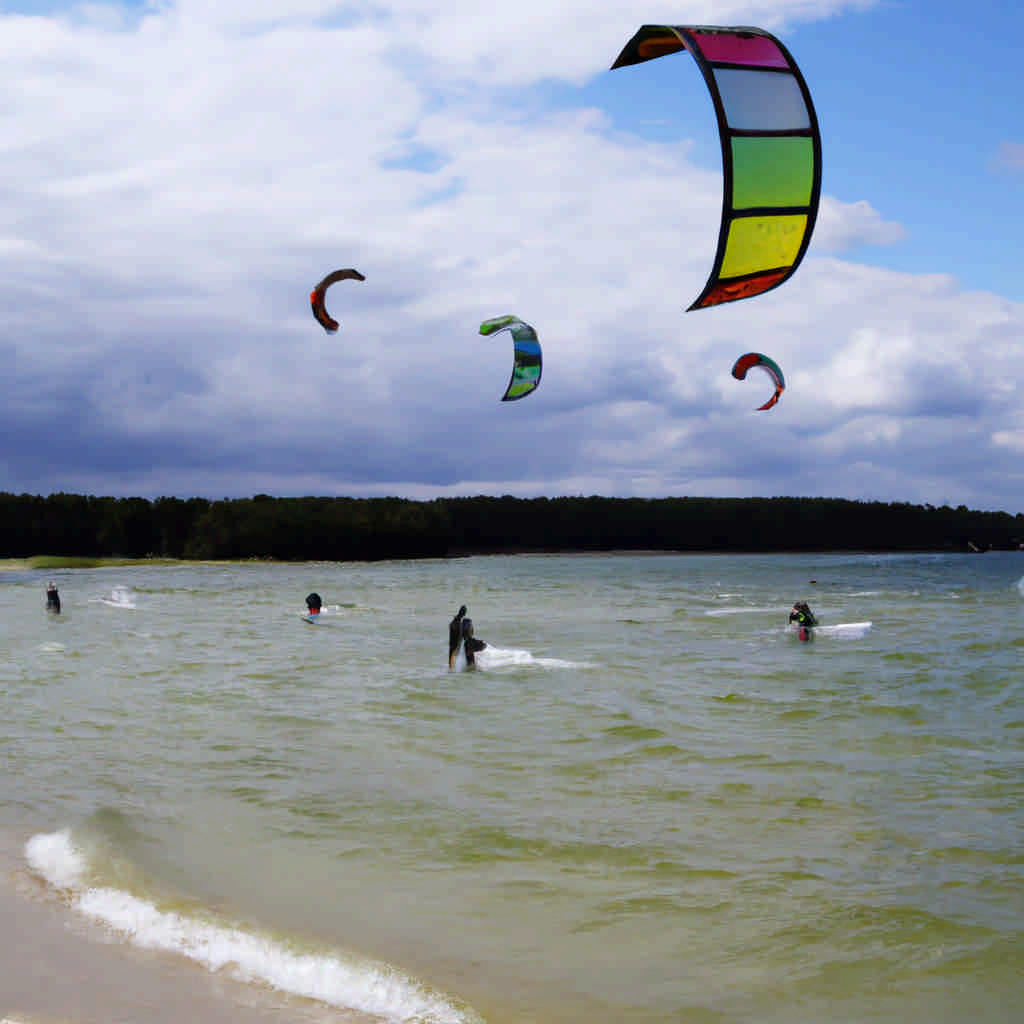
{"points": [[470, 645], [52, 600], [455, 635], [803, 616]]}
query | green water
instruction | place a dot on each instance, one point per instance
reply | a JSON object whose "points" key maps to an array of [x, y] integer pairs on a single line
{"points": [[650, 804]]}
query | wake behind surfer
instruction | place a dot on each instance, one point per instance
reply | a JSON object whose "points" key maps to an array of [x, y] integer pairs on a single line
{"points": [[470, 644], [52, 598], [455, 636]]}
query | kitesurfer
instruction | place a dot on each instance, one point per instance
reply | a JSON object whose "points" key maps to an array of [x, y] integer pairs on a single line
{"points": [[803, 617], [471, 645], [52, 598], [455, 636], [313, 603]]}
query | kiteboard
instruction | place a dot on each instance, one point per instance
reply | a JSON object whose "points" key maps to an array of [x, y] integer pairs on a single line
{"points": [[311, 619], [847, 630]]}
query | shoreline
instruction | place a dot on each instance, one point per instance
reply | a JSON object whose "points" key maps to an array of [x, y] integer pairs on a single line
{"points": [[61, 968], [62, 563]]}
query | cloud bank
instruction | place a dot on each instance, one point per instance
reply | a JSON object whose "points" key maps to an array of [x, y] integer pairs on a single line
{"points": [[174, 181]]}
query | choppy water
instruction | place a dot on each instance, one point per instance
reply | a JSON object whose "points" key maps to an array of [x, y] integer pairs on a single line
{"points": [[651, 804]]}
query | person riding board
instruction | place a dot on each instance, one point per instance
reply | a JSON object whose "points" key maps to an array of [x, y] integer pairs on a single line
{"points": [[52, 598], [313, 603]]}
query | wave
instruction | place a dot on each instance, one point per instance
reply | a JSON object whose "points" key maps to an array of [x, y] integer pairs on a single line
{"points": [[503, 657], [492, 657], [339, 980], [119, 597], [744, 610]]}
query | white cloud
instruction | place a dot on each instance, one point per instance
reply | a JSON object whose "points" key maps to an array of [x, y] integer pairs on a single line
{"points": [[846, 225], [516, 43], [174, 184]]}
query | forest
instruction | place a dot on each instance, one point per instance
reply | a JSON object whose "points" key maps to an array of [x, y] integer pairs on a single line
{"points": [[363, 529]]}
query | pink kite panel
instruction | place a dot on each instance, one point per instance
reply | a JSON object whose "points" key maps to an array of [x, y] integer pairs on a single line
{"points": [[754, 51]]}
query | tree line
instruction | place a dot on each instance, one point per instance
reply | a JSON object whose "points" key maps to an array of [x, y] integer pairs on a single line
{"points": [[347, 529]]}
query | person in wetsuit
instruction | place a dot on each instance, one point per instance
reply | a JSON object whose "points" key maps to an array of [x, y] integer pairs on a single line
{"points": [[313, 603], [802, 616], [470, 644], [455, 636], [52, 598]]}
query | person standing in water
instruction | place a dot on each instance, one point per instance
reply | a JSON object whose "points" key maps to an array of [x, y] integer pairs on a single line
{"points": [[52, 598], [455, 636]]}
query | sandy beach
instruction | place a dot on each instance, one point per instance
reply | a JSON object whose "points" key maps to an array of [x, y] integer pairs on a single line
{"points": [[57, 967]]}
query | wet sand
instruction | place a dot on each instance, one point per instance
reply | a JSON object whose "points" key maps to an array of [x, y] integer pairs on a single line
{"points": [[58, 968]]}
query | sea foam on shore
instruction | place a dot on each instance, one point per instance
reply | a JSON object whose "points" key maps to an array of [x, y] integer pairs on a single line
{"points": [[339, 980]]}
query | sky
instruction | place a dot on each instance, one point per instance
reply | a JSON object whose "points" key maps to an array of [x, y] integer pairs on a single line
{"points": [[176, 176]]}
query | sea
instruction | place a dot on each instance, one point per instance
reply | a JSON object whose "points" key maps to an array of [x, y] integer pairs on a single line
{"points": [[650, 802]]}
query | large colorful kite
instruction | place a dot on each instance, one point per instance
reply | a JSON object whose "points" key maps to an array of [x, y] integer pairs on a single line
{"points": [[526, 366], [771, 151]]}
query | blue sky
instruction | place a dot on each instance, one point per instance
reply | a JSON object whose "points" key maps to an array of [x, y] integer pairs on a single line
{"points": [[177, 176], [914, 100]]}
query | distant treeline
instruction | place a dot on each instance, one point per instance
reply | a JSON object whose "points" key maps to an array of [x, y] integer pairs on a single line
{"points": [[345, 529]]}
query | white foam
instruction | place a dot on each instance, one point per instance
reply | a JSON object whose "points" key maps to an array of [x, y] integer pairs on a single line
{"points": [[738, 611], [501, 657], [53, 856], [328, 612], [120, 597], [342, 981], [1020, 586]]}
